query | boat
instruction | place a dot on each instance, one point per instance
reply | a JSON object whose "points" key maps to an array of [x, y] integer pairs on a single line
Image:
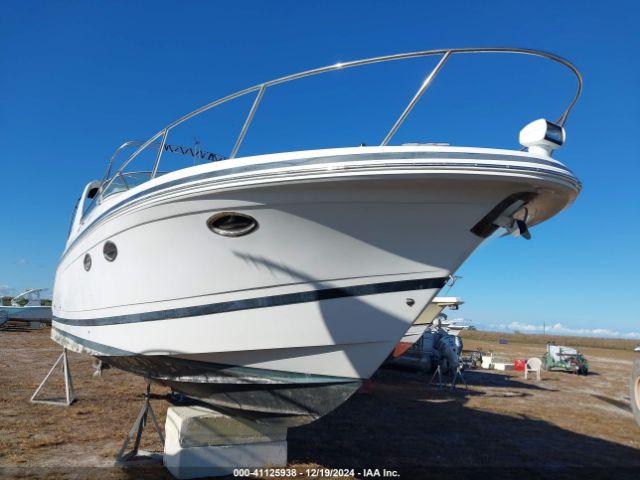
{"points": [[439, 344], [272, 285], [455, 326], [27, 307], [430, 314]]}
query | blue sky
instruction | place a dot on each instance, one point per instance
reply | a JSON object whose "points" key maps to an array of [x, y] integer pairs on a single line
{"points": [[78, 78]]}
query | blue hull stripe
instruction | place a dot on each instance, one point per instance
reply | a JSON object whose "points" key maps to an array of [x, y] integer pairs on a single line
{"points": [[260, 302]]}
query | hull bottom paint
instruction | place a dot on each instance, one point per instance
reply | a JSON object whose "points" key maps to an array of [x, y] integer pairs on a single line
{"points": [[284, 398], [401, 348], [410, 337]]}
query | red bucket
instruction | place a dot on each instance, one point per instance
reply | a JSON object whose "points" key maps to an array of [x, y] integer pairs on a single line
{"points": [[518, 364]]}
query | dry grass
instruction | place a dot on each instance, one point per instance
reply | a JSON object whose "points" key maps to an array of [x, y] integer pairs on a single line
{"points": [[565, 426], [539, 339]]}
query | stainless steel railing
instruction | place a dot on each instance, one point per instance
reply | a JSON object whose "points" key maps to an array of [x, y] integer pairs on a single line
{"points": [[161, 137]]}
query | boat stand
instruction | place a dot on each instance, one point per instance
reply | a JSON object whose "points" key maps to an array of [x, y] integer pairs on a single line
{"points": [[440, 384], [68, 384], [455, 376], [136, 431], [438, 372]]}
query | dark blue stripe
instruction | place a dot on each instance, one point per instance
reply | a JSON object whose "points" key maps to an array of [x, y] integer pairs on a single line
{"points": [[261, 302]]}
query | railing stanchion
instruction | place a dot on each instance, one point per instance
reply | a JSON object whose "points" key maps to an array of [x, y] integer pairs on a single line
{"points": [[248, 121], [160, 151], [416, 97]]}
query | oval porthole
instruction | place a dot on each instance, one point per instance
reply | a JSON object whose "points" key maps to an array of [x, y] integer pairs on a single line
{"points": [[232, 224], [87, 262], [110, 251]]}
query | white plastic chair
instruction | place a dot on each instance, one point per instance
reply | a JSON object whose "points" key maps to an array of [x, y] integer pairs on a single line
{"points": [[533, 365]]}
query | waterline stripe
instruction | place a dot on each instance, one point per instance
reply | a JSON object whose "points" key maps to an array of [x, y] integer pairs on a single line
{"points": [[260, 302], [94, 348], [178, 367]]}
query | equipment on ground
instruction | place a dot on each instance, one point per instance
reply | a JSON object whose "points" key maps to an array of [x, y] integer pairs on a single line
{"points": [[634, 390], [472, 358], [565, 359]]}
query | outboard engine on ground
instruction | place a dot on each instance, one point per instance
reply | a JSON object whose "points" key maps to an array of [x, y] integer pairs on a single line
{"points": [[447, 347], [449, 360]]}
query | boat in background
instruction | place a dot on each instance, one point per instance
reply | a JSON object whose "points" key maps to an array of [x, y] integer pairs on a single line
{"points": [[453, 327], [27, 307], [270, 286], [425, 320], [440, 343]]}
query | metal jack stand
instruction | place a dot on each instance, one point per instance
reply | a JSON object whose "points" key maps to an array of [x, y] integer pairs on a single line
{"points": [[440, 383], [455, 376], [136, 430], [68, 384]]}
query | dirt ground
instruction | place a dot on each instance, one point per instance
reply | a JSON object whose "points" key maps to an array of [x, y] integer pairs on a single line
{"points": [[565, 426]]}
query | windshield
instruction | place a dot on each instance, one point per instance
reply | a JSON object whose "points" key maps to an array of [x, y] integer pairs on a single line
{"points": [[128, 180]]}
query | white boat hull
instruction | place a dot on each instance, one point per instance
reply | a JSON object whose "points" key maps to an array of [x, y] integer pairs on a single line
{"points": [[342, 263]]}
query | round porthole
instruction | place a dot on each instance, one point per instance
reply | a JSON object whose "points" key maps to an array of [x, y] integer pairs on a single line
{"points": [[110, 251], [231, 224], [87, 262]]}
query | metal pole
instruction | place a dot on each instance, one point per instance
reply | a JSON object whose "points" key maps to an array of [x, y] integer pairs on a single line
{"points": [[65, 366], [248, 121], [416, 97], [160, 150]]}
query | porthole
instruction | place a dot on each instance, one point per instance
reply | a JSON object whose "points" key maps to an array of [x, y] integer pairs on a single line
{"points": [[232, 224], [87, 262], [110, 251]]}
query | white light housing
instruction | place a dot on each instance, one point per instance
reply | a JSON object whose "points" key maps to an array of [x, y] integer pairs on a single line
{"points": [[542, 137]]}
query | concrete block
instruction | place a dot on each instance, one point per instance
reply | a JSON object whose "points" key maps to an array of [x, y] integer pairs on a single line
{"points": [[199, 426], [200, 442], [209, 461]]}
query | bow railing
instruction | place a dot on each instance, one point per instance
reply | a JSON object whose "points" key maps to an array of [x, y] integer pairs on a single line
{"points": [[160, 138]]}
